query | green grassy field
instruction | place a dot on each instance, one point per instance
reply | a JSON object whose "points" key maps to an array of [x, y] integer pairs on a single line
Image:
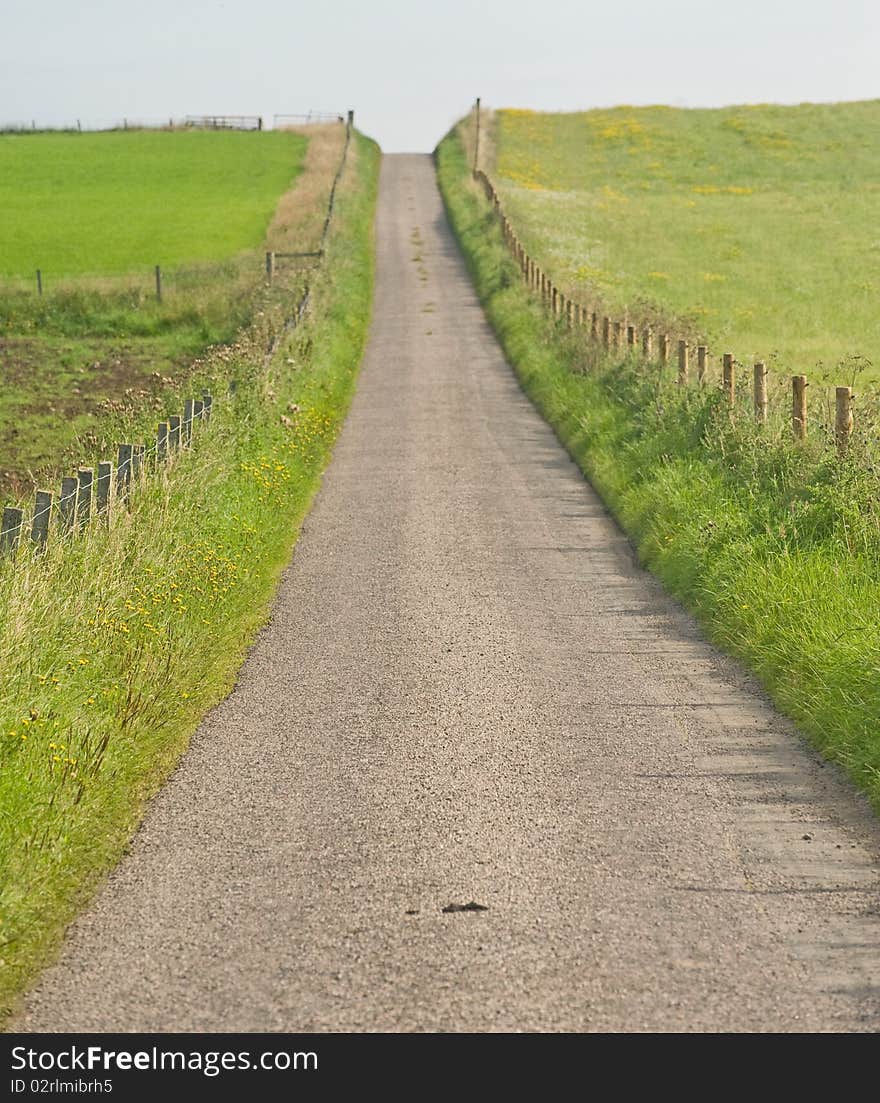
{"points": [[116, 202], [755, 227], [115, 643], [773, 543]]}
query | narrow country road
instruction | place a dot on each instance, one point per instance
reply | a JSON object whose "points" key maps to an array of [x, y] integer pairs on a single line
{"points": [[470, 692]]}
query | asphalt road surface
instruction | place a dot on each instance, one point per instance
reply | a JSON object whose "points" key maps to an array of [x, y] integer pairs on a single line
{"points": [[469, 692]]}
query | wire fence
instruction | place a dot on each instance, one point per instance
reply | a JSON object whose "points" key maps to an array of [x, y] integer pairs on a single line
{"points": [[310, 118], [95, 494], [164, 122], [224, 122], [90, 126]]}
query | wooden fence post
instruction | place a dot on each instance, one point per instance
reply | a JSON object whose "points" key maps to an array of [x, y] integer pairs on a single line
{"points": [[843, 421], [209, 402], [647, 344], [270, 266], [42, 515], [138, 467], [618, 334], [594, 325], [606, 332], [702, 362], [123, 470], [631, 336], [477, 137], [174, 432], [187, 423], [158, 284], [67, 503], [39, 282], [198, 409], [85, 479], [683, 365], [799, 406], [664, 348], [728, 379], [10, 530], [162, 442], [760, 392], [103, 489]]}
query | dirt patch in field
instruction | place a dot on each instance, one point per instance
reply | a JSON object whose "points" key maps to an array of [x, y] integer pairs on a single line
{"points": [[62, 401]]}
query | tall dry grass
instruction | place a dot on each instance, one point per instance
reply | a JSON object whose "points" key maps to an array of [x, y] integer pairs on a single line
{"points": [[299, 217]]}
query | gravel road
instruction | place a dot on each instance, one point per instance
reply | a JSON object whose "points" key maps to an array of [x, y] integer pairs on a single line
{"points": [[469, 692]]}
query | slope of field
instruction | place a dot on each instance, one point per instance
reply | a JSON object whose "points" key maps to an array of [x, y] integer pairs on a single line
{"points": [[115, 202], [756, 225]]}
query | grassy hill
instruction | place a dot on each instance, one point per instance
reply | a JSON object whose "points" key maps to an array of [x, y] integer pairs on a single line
{"points": [[757, 225]]}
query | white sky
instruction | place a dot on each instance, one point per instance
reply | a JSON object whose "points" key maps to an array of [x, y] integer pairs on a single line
{"points": [[410, 69]]}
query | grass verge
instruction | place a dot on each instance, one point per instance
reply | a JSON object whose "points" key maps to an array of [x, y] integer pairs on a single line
{"points": [[774, 545], [115, 644]]}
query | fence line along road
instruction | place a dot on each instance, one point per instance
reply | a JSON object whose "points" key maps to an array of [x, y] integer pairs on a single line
{"points": [[618, 334], [95, 495]]}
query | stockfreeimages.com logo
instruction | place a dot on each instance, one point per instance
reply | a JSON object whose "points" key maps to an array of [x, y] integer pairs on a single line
{"points": [[98, 1059]]}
